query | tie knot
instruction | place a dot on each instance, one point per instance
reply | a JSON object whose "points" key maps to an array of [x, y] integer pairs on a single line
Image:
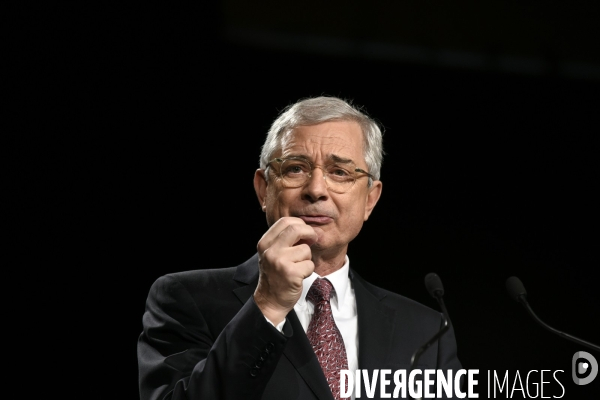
{"points": [[320, 291]]}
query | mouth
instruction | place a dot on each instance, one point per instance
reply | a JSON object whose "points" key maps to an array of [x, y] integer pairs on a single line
{"points": [[316, 219]]}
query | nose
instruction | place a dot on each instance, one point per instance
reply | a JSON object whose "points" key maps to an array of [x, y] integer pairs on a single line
{"points": [[316, 187]]}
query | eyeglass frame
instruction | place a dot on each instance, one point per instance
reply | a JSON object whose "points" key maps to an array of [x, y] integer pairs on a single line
{"points": [[312, 168]]}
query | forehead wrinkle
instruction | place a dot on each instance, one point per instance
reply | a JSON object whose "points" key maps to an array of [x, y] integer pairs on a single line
{"points": [[313, 139], [290, 147], [332, 141]]}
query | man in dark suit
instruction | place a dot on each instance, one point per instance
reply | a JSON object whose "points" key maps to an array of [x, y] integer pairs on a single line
{"points": [[284, 323]]}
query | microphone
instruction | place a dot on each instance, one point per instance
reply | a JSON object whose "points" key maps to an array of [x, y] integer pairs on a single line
{"points": [[517, 292], [434, 286]]}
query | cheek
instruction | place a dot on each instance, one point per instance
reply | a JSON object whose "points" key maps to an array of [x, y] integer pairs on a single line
{"points": [[277, 206], [353, 216]]}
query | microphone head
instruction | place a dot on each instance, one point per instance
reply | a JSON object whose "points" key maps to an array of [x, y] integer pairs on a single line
{"points": [[515, 288], [434, 286]]}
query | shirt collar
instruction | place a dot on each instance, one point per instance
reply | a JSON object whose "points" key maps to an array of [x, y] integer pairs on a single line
{"points": [[339, 279]]}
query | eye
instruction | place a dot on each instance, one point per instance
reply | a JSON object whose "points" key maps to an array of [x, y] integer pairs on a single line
{"points": [[295, 167], [339, 173]]}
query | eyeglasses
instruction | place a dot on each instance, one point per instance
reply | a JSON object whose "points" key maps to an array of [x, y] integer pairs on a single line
{"points": [[339, 176]]}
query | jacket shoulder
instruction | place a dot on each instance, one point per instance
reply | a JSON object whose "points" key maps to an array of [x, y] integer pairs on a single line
{"points": [[201, 276], [210, 282]]}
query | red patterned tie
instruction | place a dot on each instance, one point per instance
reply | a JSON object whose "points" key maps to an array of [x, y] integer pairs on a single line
{"points": [[325, 337]]}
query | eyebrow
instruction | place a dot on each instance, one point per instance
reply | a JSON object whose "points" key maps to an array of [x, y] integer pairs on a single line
{"points": [[340, 160], [332, 157]]}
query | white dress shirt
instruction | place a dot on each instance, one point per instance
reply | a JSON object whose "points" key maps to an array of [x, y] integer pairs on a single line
{"points": [[343, 308]]}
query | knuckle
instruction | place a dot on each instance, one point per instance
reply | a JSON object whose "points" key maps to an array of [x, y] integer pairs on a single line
{"points": [[285, 221], [292, 228], [261, 247], [280, 265], [305, 248]]}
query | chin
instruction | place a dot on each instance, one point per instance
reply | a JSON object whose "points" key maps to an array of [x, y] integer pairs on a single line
{"points": [[324, 247]]}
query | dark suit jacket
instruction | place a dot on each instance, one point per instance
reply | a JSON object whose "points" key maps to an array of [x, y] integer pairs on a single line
{"points": [[205, 338]]}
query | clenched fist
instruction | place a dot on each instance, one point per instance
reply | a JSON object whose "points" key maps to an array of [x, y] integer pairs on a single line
{"points": [[284, 258]]}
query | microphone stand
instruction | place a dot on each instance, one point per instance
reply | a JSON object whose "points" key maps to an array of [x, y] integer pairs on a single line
{"points": [[417, 354], [574, 339]]}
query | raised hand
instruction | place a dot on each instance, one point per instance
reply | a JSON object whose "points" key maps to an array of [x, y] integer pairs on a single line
{"points": [[284, 257]]}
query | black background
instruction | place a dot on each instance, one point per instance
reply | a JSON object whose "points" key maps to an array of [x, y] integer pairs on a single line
{"points": [[137, 132]]}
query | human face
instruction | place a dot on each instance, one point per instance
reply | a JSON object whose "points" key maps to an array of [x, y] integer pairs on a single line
{"points": [[336, 217]]}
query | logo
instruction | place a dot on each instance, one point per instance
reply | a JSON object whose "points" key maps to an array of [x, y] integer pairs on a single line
{"points": [[588, 367]]}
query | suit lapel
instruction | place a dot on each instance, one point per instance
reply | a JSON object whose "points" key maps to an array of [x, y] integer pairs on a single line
{"points": [[243, 293], [375, 325], [247, 275], [299, 352], [297, 349]]}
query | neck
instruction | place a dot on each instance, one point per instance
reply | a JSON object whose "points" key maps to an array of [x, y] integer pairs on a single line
{"points": [[326, 264]]}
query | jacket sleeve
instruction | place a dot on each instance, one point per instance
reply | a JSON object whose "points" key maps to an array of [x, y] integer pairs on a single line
{"points": [[179, 358]]}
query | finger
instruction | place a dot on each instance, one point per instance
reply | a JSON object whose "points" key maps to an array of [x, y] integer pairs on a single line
{"points": [[275, 230], [308, 242], [287, 279], [305, 268], [282, 260], [295, 233], [271, 234], [298, 253]]}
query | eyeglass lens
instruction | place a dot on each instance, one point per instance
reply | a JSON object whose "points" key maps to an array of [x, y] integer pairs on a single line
{"points": [[339, 177]]}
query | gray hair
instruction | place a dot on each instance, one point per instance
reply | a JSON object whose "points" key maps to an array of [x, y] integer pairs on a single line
{"points": [[317, 110]]}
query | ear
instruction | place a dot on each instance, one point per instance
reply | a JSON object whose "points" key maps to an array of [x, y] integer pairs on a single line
{"points": [[260, 187], [372, 198]]}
